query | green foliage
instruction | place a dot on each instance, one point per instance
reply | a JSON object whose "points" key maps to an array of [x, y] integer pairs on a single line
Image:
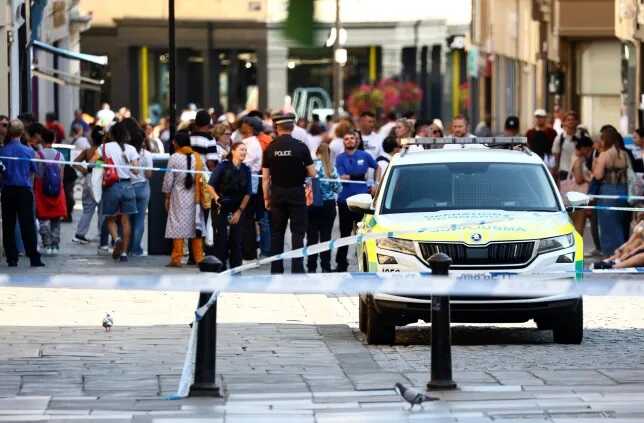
{"points": [[299, 22]]}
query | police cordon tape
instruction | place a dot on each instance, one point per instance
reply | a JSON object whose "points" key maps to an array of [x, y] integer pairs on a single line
{"points": [[256, 176], [616, 197], [613, 208], [144, 168], [496, 284]]}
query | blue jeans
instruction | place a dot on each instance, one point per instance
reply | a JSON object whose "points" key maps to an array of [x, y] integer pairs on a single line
{"points": [[142, 194], [265, 234], [612, 231], [89, 206]]}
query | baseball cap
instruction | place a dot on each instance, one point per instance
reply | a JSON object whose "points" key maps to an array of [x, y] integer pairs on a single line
{"points": [[540, 113], [512, 122], [202, 118], [254, 122]]}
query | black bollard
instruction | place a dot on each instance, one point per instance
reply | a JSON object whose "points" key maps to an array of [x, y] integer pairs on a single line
{"points": [[205, 384], [441, 377]]}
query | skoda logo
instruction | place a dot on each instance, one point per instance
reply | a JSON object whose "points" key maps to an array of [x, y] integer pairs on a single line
{"points": [[476, 237]]}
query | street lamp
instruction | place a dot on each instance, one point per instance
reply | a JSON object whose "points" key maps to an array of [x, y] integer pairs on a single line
{"points": [[339, 59], [172, 67]]}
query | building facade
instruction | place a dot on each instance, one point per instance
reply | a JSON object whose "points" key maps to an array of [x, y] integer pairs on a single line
{"points": [[232, 55], [559, 54], [46, 77]]}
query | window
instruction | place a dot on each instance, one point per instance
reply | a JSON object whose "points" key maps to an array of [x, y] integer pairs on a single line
{"points": [[467, 186]]}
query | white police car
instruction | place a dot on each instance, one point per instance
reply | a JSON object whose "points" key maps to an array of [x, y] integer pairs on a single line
{"points": [[490, 210]]}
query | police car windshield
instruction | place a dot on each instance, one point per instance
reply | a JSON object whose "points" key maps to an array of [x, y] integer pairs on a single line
{"points": [[467, 186]]}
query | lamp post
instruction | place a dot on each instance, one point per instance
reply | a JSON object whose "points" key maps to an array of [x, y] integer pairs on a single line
{"points": [[172, 68], [337, 66]]}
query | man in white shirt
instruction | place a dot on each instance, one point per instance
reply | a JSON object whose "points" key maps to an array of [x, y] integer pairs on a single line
{"points": [[385, 129], [370, 141], [250, 127], [460, 127], [105, 116], [300, 134], [563, 148]]}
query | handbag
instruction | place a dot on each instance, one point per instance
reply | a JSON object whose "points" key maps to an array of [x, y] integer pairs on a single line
{"points": [[316, 188], [207, 192], [308, 194], [570, 183], [110, 175]]}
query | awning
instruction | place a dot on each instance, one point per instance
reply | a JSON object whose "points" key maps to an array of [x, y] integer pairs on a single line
{"points": [[63, 78], [68, 54]]}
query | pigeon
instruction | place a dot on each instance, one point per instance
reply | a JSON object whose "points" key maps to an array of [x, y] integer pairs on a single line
{"points": [[108, 322], [412, 396]]}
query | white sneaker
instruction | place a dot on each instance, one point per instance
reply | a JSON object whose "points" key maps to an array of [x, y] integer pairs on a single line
{"points": [[103, 250], [55, 251], [49, 251]]}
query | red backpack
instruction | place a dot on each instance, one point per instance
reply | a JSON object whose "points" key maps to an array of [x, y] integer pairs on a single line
{"points": [[110, 175]]}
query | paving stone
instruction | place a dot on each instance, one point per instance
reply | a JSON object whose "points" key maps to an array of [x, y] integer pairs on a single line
{"points": [[25, 403]]}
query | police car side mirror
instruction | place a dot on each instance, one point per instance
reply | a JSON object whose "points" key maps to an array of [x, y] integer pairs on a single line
{"points": [[361, 203], [577, 198]]}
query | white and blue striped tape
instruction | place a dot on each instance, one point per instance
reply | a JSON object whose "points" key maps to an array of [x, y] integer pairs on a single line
{"points": [[617, 197], [607, 283], [147, 168]]}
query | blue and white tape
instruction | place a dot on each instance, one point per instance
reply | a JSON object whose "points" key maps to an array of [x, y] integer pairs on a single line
{"points": [[617, 197], [147, 168], [604, 283], [613, 208]]}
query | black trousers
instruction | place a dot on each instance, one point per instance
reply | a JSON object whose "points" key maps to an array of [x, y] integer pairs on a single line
{"points": [[319, 230], [68, 187], [228, 239], [287, 204], [248, 228], [18, 203], [347, 221]]}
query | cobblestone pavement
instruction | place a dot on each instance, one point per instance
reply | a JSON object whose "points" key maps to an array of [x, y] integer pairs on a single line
{"points": [[297, 358]]}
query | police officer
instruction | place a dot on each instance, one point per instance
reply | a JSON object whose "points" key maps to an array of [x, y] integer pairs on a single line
{"points": [[285, 165]]}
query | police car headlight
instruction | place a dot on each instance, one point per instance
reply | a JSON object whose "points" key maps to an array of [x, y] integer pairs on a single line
{"points": [[547, 245], [394, 244]]}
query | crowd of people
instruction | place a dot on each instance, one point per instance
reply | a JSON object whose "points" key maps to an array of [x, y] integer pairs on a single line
{"points": [[236, 182]]}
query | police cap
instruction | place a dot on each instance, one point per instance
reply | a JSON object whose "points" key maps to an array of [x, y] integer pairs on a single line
{"points": [[281, 118]]}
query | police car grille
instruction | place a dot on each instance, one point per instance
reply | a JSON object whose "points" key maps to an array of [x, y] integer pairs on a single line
{"points": [[497, 254]]}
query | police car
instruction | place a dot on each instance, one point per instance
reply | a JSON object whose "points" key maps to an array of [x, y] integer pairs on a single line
{"points": [[492, 206]]}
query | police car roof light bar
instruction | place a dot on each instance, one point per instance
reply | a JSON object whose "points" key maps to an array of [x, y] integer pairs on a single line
{"points": [[489, 141]]}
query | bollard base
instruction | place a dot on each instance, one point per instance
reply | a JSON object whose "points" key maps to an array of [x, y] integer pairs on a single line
{"points": [[441, 385], [205, 390]]}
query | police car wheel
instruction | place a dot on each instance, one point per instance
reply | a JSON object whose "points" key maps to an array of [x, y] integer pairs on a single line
{"points": [[362, 314], [569, 328], [379, 329]]}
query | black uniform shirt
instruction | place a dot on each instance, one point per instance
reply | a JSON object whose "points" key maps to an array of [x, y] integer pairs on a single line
{"points": [[287, 159]]}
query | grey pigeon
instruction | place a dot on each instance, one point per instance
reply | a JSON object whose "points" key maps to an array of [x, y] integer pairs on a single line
{"points": [[108, 322], [412, 396]]}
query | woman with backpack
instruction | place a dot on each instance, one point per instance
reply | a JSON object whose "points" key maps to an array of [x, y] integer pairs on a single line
{"points": [[184, 195], [118, 199], [51, 205], [231, 181], [322, 211]]}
